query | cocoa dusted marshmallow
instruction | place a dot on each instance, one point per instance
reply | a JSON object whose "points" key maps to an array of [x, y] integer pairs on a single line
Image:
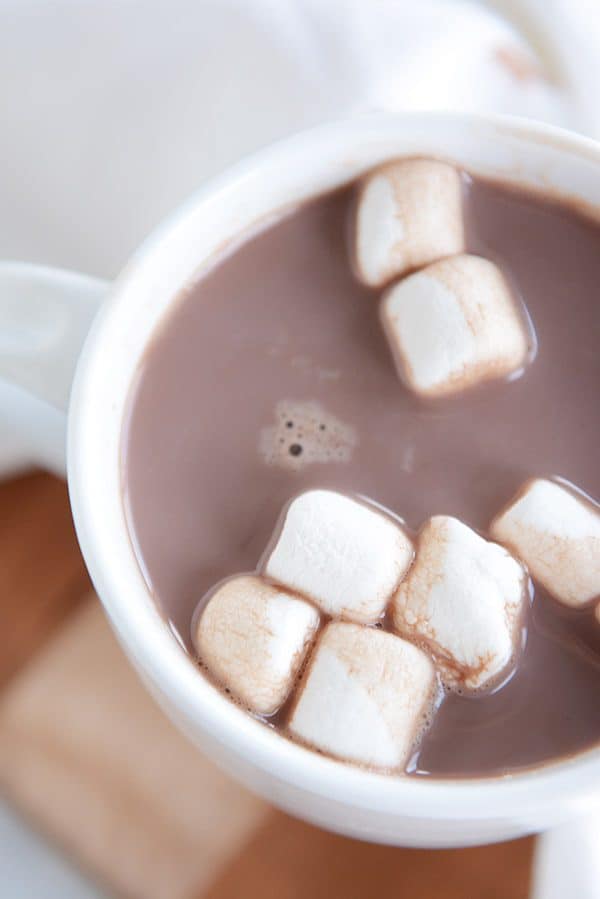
{"points": [[253, 638], [462, 598], [454, 324], [346, 556], [409, 213], [365, 696], [556, 531]]}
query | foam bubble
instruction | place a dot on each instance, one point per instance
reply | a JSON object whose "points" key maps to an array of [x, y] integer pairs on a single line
{"points": [[304, 433]]}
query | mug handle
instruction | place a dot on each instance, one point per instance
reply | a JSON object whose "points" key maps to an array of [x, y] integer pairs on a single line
{"points": [[45, 315]]}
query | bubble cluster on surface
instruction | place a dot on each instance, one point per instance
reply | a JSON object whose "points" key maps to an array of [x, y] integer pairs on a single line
{"points": [[304, 434]]}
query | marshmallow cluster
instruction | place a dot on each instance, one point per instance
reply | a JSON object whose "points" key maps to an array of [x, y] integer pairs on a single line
{"points": [[408, 214], [454, 324], [365, 694], [253, 637], [555, 530], [462, 599], [364, 697], [456, 607], [346, 556]]}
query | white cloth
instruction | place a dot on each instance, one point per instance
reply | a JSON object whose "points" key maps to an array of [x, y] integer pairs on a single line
{"points": [[112, 112]]}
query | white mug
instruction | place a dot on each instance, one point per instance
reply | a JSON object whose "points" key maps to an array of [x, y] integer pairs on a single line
{"points": [[43, 323]]}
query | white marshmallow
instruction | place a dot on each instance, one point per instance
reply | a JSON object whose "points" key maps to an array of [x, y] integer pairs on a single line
{"points": [[462, 598], [453, 325], [253, 638], [346, 557], [409, 213], [364, 697], [556, 532]]}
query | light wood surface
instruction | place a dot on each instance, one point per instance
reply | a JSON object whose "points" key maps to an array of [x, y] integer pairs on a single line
{"points": [[90, 759]]}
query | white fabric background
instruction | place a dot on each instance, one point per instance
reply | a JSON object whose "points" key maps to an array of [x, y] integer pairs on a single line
{"points": [[113, 111]]}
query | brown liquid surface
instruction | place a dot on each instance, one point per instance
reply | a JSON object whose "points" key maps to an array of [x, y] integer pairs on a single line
{"points": [[283, 319]]}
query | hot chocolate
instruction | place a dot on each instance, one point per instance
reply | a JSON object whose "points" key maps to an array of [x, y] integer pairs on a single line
{"points": [[272, 375]]}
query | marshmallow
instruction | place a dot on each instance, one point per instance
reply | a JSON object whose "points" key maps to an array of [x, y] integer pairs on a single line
{"points": [[365, 696], [253, 638], [409, 213], [462, 598], [346, 557], [453, 325], [556, 531]]}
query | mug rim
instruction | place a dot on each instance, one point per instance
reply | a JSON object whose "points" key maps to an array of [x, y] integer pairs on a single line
{"points": [[96, 490]]}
